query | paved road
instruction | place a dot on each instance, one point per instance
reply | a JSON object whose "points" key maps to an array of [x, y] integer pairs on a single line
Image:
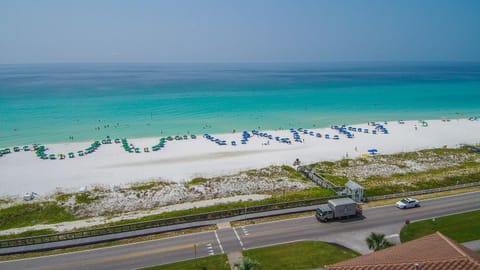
{"points": [[350, 233]]}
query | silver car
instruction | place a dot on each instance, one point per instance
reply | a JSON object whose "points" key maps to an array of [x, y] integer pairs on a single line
{"points": [[407, 203]]}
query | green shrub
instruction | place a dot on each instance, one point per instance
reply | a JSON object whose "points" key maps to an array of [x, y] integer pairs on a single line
{"points": [[27, 234], [29, 214], [85, 198]]}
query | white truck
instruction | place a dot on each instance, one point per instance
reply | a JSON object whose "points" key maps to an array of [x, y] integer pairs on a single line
{"points": [[338, 208]]}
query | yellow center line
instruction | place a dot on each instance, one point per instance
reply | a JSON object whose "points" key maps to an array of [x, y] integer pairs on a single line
{"points": [[123, 257]]}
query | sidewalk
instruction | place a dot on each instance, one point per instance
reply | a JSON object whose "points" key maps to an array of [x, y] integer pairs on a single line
{"points": [[473, 245]]}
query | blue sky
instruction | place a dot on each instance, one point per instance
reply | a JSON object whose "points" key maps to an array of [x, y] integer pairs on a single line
{"points": [[62, 31]]}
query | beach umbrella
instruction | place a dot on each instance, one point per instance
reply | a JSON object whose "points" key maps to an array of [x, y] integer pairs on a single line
{"points": [[372, 151]]}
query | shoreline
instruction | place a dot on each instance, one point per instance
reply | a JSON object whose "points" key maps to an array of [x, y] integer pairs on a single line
{"points": [[183, 160]]}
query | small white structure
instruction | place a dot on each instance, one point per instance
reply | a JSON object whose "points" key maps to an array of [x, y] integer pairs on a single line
{"points": [[354, 191]]}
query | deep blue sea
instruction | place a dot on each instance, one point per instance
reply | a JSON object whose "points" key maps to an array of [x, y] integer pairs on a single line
{"points": [[50, 103]]}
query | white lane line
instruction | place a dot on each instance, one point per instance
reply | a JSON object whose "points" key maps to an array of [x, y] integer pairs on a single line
{"points": [[219, 243], [238, 237]]}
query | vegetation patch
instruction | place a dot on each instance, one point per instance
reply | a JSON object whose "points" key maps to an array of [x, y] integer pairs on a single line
{"points": [[299, 255], [27, 234], [29, 214], [292, 173], [86, 198], [276, 172], [405, 186], [402, 172], [63, 197], [197, 181], [338, 180], [215, 262], [145, 186], [461, 227], [5, 201], [278, 197], [295, 195]]}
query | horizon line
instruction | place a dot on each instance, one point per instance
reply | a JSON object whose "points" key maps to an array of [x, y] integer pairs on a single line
{"points": [[259, 62]]}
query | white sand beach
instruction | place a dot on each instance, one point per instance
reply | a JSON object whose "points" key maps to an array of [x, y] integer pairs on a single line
{"points": [[183, 160]]}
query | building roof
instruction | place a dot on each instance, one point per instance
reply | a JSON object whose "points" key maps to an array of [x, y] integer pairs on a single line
{"points": [[353, 185], [341, 201], [435, 251]]}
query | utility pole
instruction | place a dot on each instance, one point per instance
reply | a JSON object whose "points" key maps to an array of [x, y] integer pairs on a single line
{"points": [[195, 254]]}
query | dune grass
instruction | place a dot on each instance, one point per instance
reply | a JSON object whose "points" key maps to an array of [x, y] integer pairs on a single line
{"points": [[430, 182], [461, 166], [277, 198], [27, 234], [215, 262], [299, 255], [29, 214], [461, 227]]}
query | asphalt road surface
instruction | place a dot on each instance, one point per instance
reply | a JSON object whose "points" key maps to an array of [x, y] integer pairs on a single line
{"points": [[349, 232]]}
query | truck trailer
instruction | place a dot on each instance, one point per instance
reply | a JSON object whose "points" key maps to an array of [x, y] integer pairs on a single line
{"points": [[338, 208]]}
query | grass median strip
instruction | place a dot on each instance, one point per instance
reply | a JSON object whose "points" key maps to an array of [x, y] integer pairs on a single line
{"points": [[299, 255], [461, 227], [215, 262]]}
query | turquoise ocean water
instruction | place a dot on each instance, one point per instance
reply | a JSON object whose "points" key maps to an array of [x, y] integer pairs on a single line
{"points": [[50, 103]]}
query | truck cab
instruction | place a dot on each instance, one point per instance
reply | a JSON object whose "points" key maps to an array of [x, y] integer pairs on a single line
{"points": [[324, 213]]}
